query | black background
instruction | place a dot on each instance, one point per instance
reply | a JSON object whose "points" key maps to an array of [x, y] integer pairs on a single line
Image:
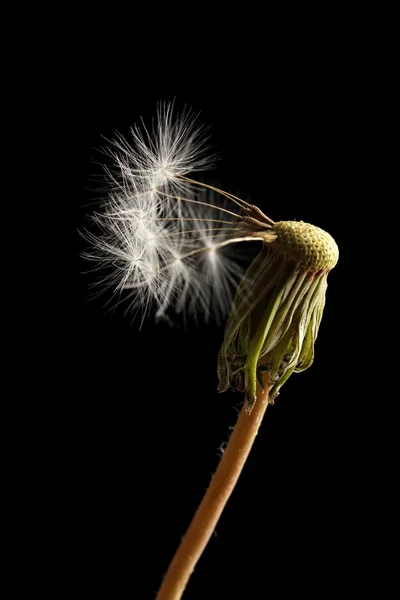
{"points": [[144, 420]]}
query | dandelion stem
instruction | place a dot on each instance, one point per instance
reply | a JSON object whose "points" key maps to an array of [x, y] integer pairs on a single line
{"points": [[215, 499]]}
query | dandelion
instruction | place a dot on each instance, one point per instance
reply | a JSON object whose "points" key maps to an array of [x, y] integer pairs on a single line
{"points": [[170, 242]]}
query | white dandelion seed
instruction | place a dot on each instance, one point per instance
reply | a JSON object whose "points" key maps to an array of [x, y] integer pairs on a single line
{"points": [[176, 145], [167, 237]]}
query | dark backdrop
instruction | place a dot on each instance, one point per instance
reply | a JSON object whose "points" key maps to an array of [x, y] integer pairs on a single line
{"points": [[145, 421]]}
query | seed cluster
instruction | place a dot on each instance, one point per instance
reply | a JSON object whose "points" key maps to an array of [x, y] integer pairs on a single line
{"points": [[306, 244]]}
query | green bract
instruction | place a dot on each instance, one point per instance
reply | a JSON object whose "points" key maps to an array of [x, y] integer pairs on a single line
{"points": [[277, 309]]}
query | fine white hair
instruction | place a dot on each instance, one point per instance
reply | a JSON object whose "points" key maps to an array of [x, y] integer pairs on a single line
{"points": [[164, 238]]}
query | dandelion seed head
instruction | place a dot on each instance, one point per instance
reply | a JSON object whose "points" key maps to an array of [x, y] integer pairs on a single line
{"points": [[167, 243]]}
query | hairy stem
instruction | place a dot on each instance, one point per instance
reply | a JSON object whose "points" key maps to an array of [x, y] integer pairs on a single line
{"points": [[215, 499]]}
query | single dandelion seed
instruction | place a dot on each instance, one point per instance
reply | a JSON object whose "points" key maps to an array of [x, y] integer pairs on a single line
{"points": [[170, 241]]}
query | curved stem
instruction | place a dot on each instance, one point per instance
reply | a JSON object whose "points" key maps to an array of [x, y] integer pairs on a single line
{"points": [[215, 499]]}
